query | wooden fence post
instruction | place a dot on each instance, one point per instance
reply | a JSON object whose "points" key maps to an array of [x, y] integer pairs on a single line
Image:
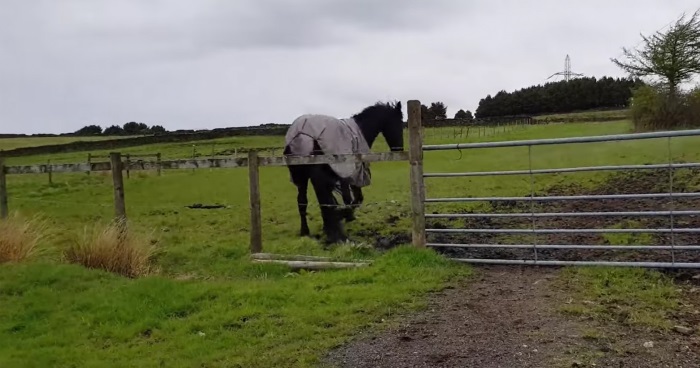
{"points": [[254, 190], [194, 155], [89, 162], [3, 190], [48, 170], [128, 164], [118, 181], [415, 157], [158, 162]]}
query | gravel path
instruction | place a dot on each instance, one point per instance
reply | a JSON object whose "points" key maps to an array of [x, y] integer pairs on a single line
{"points": [[506, 317]]}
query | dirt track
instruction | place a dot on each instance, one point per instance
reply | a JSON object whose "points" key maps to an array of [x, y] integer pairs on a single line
{"points": [[506, 317]]}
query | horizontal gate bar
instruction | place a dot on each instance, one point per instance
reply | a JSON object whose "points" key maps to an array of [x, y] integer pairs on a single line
{"points": [[550, 141], [563, 231], [578, 263], [563, 214], [562, 170], [567, 198], [561, 246]]}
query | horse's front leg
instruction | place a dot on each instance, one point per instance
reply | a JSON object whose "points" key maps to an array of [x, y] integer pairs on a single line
{"points": [[358, 198], [345, 192]]}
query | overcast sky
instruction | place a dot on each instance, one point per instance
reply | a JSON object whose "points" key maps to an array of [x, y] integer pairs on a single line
{"points": [[189, 64]]}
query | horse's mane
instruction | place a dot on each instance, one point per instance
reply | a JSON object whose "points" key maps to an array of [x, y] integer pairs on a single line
{"points": [[378, 110]]}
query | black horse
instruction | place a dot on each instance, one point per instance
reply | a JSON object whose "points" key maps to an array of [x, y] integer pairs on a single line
{"points": [[380, 118]]}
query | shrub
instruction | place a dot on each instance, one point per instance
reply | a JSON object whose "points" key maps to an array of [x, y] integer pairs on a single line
{"points": [[110, 249], [19, 237], [653, 109]]}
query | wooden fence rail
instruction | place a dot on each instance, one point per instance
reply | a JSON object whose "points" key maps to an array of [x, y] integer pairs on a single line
{"points": [[253, 161], [205, 163]]}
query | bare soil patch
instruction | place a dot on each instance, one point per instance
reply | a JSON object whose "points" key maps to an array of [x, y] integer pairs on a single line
{"points": [[508, 317]]}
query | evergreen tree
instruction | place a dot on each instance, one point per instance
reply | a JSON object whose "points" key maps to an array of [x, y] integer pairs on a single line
{"points": [[560, 97]]}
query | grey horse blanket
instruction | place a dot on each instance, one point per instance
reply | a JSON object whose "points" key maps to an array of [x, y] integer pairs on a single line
{"points": [[334, 136]]}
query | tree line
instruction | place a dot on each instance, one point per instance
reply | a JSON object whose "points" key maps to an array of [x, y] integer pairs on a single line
{"points": [[130, 128], [438, 111], [560, 97]]}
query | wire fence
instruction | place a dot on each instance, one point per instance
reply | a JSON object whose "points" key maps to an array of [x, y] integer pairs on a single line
{"points": [[472, 131]]}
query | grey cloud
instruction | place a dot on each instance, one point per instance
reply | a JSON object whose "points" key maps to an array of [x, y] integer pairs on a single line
{"points": [[317, 23], [214, 63]]}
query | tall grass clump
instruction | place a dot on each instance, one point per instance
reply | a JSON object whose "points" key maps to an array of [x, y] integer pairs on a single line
{"points": [[19, 237], [113, 249]]}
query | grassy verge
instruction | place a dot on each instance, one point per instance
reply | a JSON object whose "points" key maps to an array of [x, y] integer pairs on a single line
{"points": [[633, 297], [56, 315]]}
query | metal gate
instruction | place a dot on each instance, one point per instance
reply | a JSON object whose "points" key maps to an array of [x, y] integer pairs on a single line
{"points": [[679, 226]]}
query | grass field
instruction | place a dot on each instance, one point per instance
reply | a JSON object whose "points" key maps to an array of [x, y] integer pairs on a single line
{"points": [[177, 150], [208, 305], [12, 143], [589, 115]]}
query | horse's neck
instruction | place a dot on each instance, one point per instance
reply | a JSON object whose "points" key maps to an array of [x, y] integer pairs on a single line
{"points": [[369, 131]]}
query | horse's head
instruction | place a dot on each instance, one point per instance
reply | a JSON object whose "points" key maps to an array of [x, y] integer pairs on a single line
{"points": [[384, 118]]}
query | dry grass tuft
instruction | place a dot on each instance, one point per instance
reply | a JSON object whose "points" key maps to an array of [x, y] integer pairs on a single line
{"points": [[19, 237], [109, 249]]}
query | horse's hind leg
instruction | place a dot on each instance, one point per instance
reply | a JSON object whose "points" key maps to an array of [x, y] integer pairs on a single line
{"points": [[302, 204], [300, 178]]}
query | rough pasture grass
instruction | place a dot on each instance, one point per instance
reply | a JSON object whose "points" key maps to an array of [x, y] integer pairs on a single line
{"points": [[12, 143], [19, 238], [210, 306], [111, 248]]}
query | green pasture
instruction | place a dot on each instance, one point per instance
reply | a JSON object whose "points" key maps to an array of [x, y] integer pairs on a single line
{"points": [[209, 306], [12, 143], [589, 115], [175, 150]]}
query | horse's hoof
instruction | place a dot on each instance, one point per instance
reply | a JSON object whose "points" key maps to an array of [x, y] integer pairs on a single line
{"points": [[336, 239]]}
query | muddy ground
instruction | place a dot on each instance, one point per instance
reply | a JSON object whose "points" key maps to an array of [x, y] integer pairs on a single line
{"points": [[507, 316]]}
